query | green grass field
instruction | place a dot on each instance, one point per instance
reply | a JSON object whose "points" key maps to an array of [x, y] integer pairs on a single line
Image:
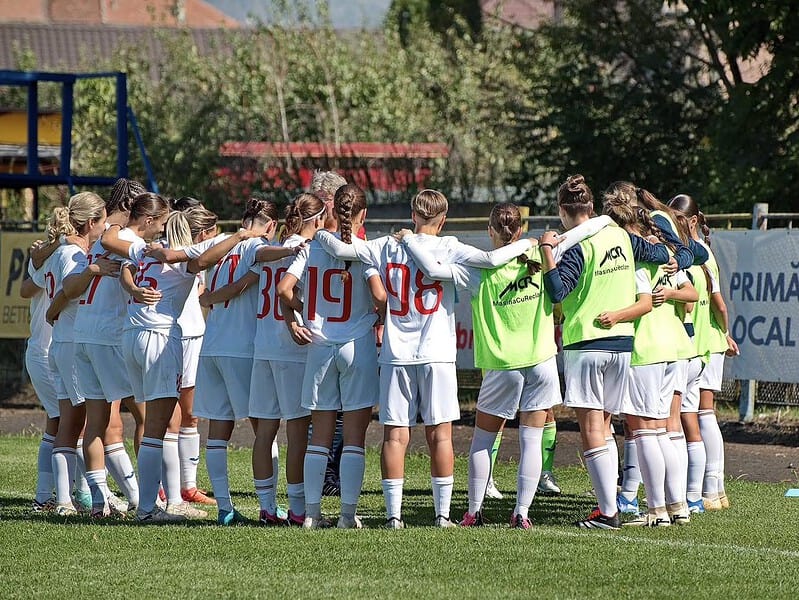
{"points": [[748, 551]]}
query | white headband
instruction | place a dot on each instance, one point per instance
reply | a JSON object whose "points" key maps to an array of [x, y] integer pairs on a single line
{"points": [[316, 216]]}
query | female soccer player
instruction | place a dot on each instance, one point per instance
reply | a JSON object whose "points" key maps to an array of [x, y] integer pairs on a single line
{"points": [[278, 369], [338, 310], [68, 275], [660, 341], [595, 282], [713, 339]]}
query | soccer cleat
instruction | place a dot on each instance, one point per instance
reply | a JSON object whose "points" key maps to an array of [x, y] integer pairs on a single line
{"points": [[395, 523], [679, 513], [492, 491], [547, 485], [443, 522], [66, 510], [101, 512], [331, 488], [82, 501], [472, 520], [627, 507], [197, 496], [116, 505], [520, 522], [228, 518], [43, 507], [711, 503], [696, 506], [314, 523], [596, 520], [724, 501], [187, 510], [649, 520], [296, 520], [268, 519], [349, 523], [158, 516]]}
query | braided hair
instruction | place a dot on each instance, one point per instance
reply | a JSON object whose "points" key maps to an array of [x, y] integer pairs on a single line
{"points": [[122, 195], [348, 201]]}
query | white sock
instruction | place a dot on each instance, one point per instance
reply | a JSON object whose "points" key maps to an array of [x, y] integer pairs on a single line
{"points": [[353, 466], [314, 477], [151, 453], [81, 485], [680, 446], [216, 462], [44, 467], [120, 468], [673, 480], [392, 494], [714, 449], [614, 452], [603, 473], [442, 493], [275, 461], [189, 451], [652, 465], [530, 461], [64, 465], [296, 494], [170, 477], [479, 467], [97, 485], [696, 470], [265, 490], [631, 476]]}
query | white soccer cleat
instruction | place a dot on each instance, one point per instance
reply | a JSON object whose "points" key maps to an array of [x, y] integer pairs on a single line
{"points": [[547, 484], [492, 491], [186, 510], [116, 505], [349, 523], [444, 522]]}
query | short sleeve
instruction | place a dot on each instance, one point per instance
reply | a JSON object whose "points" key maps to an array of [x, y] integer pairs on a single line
{"points": [[297, 268], [681, 278], [643, 284], [195, 250]]}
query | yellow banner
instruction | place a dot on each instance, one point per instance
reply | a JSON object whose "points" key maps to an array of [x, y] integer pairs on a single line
{"points": [[14, 310]]}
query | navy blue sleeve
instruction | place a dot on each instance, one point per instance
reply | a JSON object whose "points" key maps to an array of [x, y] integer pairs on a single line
{"points": [[561, 281], [643, 251], [683, 255]]}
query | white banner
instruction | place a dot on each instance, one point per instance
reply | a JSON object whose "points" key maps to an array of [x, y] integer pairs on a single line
{"points": [[760, 284]]}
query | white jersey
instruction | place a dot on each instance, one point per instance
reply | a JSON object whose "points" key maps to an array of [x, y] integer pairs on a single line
{"points": [[68, 259], [229, 328], [173, 281], [420, 320], [336, 309], [102, 308], [192, 320], [272, 338], [41, 331]]}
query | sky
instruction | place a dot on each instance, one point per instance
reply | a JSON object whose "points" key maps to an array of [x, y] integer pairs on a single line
{"points": [[345, 14]]}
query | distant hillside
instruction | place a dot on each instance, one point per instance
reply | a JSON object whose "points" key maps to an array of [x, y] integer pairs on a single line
{"points": [[345, 14]]}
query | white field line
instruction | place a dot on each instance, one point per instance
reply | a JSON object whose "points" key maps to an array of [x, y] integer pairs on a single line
{"points": [[686, 544]]}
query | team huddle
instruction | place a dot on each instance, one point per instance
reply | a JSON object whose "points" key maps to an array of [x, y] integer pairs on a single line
{"points": [[320, 324]]}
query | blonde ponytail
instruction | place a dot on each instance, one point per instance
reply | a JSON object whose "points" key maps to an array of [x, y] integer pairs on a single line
{"points": [[178, 231], [59, 224]]}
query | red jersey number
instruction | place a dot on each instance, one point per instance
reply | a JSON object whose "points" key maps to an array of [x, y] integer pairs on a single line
{"points": [[398, 287], [327, 293], [271, 301], [232, 261], [142, 280]]}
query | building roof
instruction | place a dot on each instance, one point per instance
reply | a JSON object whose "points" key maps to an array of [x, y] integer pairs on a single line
{"points": [[73, 47]]}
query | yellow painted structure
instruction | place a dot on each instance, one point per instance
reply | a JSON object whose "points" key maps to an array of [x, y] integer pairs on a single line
{"points": [[14, 128]]}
